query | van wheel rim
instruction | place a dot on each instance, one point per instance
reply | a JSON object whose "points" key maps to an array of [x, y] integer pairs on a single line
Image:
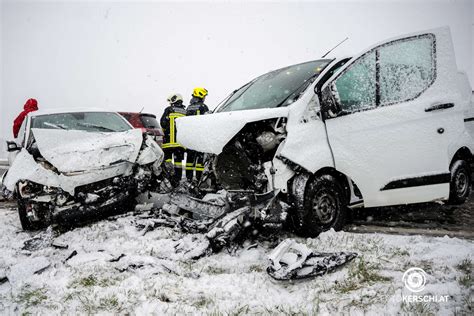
{"points": [[325, 207], [461, 183]]}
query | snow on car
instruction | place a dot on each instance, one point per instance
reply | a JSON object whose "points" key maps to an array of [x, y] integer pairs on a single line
{"points": [[392, 125], [67, 163]]}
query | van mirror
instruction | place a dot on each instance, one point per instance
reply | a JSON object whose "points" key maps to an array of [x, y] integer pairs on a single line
{"points": [[329, 106], [12, 146]]}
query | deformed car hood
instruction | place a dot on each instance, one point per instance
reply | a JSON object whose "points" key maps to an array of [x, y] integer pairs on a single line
{"points": [[73, 151], [79, 157], [209, 133]]}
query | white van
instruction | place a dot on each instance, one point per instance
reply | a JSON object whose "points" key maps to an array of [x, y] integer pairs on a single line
{"points": [[392, 125]]}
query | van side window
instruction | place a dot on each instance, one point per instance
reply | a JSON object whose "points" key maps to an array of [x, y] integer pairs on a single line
{"points": [[407, 68], [395, 72], [356, 86]]}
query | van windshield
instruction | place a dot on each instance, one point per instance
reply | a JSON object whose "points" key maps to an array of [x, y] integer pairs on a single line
{"points": [[277, 88]]}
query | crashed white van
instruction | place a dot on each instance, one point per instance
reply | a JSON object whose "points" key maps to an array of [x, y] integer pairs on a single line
{"points": [[81, 162], [392, 125]]}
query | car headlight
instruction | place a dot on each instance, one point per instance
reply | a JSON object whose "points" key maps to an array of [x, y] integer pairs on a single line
{"points": [[27, 188]]}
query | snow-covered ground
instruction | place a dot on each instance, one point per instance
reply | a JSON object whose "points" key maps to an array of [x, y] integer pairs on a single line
{"points": [[119, 269]]}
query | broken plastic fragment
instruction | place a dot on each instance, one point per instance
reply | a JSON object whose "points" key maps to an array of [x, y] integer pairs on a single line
{"points": [[291, 260]]}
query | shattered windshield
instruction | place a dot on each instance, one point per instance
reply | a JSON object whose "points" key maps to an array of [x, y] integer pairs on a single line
{"points": [[277, 88], [84, 121]]}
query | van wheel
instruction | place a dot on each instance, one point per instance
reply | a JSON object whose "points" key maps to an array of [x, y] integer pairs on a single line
{"points": [[325, 206], [460, 185]]}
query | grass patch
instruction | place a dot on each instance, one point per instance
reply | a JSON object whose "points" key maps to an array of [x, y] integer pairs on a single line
{"points": [[417, 308], [466, 281], [465, 267], [90, 305], [215, 270], [360, 275], [399, 252], [31, 297], [256, 268], [109, 303], [203, 301], [91, 281]]}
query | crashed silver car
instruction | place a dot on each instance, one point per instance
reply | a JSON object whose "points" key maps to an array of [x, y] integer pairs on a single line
{"points": [[83, 162]]}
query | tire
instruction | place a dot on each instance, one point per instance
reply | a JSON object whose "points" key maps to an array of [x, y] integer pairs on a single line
{"points": [[325, 206], [460, 185]]}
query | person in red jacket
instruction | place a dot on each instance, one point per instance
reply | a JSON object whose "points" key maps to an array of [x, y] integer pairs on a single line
{"points": [[30, 106]]}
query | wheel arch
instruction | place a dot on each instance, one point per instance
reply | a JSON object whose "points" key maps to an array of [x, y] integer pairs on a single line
{"points": [[463, 153], [346, 182]]}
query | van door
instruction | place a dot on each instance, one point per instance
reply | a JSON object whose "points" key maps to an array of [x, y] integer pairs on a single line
{"points": [[396, 109]]}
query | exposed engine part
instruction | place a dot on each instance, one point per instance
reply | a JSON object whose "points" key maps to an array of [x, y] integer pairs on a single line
{"points": [[240, 165], [291, 260], [269, 140]]}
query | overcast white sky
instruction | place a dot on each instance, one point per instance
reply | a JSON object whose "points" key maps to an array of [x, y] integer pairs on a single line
{"points": [[129, 55]]}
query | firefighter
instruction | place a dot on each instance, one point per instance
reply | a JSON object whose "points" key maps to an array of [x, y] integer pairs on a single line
{"points": [[174, 110], [196, 105], [174, 152]]}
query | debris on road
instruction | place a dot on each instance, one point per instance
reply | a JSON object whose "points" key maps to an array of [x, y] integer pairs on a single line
{"points": [[292, 260]]}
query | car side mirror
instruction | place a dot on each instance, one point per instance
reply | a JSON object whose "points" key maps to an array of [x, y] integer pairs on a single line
{"points": [[12, 146], [329, 106]]}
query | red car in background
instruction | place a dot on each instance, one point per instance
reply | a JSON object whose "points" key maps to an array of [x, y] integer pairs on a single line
{"points": [[146, 122]]}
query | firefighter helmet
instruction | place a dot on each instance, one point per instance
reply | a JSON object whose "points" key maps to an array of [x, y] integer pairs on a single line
{"points": [[175, 97], [199, 93]]}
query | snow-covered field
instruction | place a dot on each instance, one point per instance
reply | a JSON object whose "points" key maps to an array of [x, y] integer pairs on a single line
{"points": [[119, 269]]}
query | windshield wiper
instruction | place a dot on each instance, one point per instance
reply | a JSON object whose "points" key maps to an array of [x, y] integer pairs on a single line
{"points": [[301, 89], [106, 129], [58, 126]]}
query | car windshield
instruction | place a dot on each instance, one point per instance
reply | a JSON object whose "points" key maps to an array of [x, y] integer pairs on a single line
{"points": [[277, 88], [84, 121]]}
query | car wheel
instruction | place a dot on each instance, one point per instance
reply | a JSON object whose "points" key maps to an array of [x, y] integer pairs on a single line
{"points": [[325, 206], [460, 185]]}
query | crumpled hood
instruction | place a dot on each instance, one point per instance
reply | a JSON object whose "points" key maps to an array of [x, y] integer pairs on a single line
{"points": [[209, 133], [72, 150]]}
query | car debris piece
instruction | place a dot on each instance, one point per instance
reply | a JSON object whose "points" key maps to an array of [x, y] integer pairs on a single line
{"points": [[292, 261], [229, 228], [203, 208], [117, 258], [59, 245], [41, 240], [192, 246], [74, 253], [3, 276]]}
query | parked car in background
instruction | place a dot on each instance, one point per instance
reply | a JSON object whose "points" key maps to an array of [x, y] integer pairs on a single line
{"points": [[392, 125], [77, 162], [146, 122]]}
